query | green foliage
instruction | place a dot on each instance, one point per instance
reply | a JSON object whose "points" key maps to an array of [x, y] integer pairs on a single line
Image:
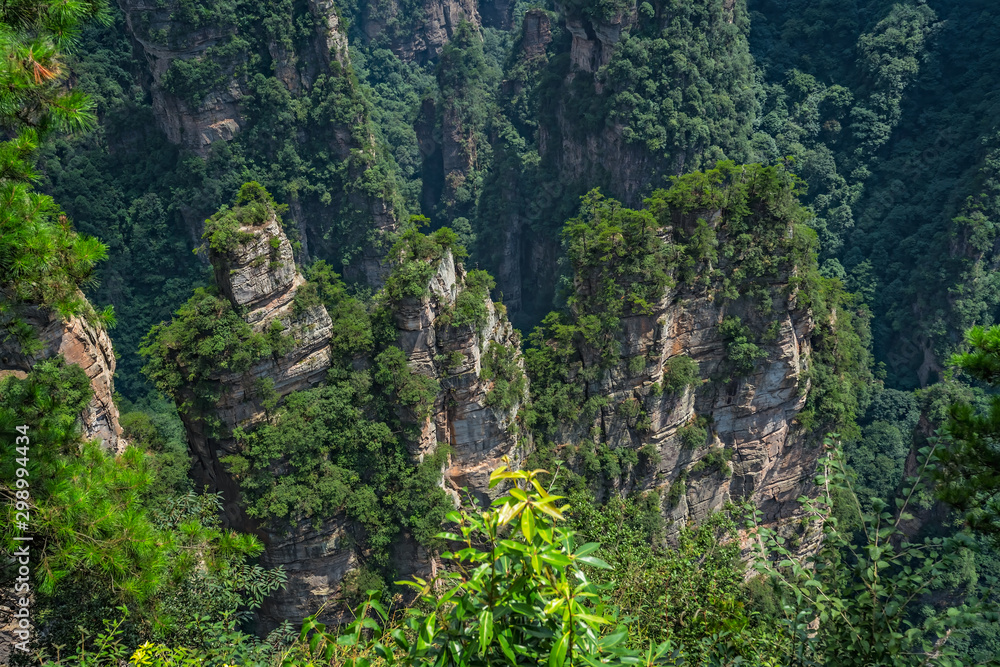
{"points": [[156, 428], [351, 335], [205, 336], [970, 463], [679, 373], [320, 455], [693, 434], [692, 593], [677, 489], [470, 304], [879, 600], [681, 83], [253, 207], [519, 593], [44, 262], [108, 531], [715, 459], [621, 264], [740, 351], [417, 256], [500, 365], [841, 376], [465, 85], [879, 457], [416, 391], [192, 79]]}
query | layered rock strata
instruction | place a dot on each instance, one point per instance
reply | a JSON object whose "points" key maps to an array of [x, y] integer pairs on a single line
{"points": [[730, 435], [81, 342], [167, 33], [425, 34], [260, 279], [200, 72], [751, 418], [478, 435]]}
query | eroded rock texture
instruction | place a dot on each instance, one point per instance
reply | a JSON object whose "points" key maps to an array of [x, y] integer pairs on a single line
{"points": [[424, 36], [201, 76], [730, 435], [478, 434], [753, 417], [168, 32], [261, 280], [85, 344]]}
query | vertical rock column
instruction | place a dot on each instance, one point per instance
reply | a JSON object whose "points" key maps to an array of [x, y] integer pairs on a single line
{"points": [[477, 433]]}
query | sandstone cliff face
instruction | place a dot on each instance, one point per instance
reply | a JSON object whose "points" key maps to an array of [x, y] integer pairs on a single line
{"points": [[165, 36], [603, 155], [752, 417], [225, 49], [418, 38], [477, 434], [260, 279], [82, 343], [218, 116], [730, 435]]}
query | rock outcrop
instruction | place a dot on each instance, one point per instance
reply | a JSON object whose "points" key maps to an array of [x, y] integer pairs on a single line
{"points": [[477, 433], [81, 342], [260, 280], [164, 39], [169, 35], [422, 39], [751, 418], [201, 73], [258, 276], [697, 386]]}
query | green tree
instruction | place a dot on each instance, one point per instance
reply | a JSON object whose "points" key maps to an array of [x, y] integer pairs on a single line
{"points": [[42, 259], [970, 464], [883, 599]]}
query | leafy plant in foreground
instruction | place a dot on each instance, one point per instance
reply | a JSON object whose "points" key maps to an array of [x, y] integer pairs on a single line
{"points": [[518, 593], [877, 601]]}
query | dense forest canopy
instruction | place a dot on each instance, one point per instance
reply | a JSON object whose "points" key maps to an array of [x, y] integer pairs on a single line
{"points": [[752, 246]]}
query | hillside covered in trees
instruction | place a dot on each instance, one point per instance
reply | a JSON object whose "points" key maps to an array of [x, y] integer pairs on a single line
{"points": [[497, 332]]}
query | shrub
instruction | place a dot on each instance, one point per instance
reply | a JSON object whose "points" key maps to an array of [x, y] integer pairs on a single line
{"points": [[253, 207], [679, 373], [417, 256], [741, 352], [510, 385], [717, 458], [525, 597], [693, 434], [471, 303], [412, 389]]}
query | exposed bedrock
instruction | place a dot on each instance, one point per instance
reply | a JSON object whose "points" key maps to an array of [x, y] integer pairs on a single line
{"points": [[80, 342]]}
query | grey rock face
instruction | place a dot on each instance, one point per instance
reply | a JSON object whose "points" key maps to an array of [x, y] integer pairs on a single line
{"points": [[752, 418], [85, 344], [260, 279], [427, 37], [217, 116], [478, 435]]}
